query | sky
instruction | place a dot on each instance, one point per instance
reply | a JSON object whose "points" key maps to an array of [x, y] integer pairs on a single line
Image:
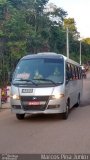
{"points": [[80, 11]]}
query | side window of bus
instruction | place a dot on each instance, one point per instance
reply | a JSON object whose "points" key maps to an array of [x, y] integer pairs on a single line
{"points": [[80, 73], [73, 71], [68, 72], [76, 72]]}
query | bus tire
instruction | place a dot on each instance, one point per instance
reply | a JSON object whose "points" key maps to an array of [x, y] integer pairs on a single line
{"points": [[65, 114], [20, 116], [78, 101]]}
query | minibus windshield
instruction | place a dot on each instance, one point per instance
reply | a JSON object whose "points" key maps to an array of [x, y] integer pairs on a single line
{"points": [[39, 71]]}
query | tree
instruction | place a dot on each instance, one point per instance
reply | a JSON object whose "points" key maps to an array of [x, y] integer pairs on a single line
{"points": [[86, 40], [26, 27], [70, 23]]}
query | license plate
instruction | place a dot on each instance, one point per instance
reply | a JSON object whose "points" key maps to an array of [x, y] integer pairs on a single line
{"points": [[27, 90], [34, 103]]}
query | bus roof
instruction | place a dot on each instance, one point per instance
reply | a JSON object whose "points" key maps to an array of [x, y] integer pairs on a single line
{"points": [[43, 55], [49, 55]]}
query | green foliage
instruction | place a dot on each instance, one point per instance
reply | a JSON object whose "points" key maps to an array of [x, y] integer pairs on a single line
{"points": [[25, 27], [86, 40], [70, 23]]}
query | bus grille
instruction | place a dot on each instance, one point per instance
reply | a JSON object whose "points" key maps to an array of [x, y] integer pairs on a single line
{"points": [[43, 100]]}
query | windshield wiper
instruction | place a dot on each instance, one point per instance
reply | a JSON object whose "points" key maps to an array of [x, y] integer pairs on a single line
{"points": [[43, 79], [26, 80]]}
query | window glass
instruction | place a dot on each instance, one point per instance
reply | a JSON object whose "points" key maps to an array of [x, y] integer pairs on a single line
{"points": [[43, 68]]}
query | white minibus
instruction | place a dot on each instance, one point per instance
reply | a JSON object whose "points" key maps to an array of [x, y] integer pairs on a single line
{"points": [[45, 83]]}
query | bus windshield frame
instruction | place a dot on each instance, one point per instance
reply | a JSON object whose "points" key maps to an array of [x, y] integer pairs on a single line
{"points": [[38, 71]]}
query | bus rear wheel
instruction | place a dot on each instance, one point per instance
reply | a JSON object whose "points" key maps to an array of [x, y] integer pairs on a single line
{"points": [[78, 101], [20, 116]]}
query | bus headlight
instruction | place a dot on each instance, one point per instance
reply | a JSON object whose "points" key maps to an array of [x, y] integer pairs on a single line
{"points": [[15, 97], [57, 96]]}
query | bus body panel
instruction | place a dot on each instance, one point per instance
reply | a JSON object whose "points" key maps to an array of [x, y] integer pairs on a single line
{"points": [[39, 94], [72, 89]]}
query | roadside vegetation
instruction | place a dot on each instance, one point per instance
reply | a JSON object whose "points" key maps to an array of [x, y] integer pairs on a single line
{"points": [[26, 27]]}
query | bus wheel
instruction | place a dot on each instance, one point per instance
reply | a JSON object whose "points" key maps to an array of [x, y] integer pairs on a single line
{"points": [[20, 116], [65, 114], [78, 101]]}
